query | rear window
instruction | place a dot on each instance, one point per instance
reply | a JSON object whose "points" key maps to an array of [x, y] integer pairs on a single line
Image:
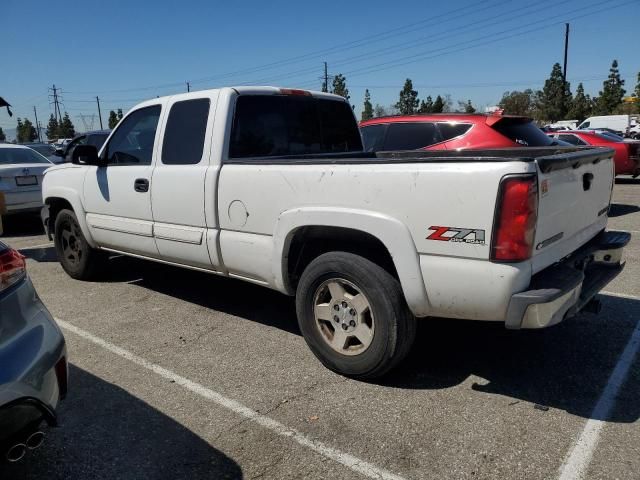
{"points": [[411, 136], [279, 125], [9, 156], [373, 137], [523, 133]]}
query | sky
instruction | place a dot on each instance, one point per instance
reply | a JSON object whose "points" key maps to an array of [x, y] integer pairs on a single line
{"points": [[126, 51]]}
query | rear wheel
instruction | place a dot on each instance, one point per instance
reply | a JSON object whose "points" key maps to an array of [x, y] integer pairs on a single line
{"points": [[353, 315], [76, 256]]}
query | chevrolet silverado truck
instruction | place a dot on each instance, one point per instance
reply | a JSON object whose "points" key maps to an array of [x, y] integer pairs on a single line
{"points": [[271, 186]]}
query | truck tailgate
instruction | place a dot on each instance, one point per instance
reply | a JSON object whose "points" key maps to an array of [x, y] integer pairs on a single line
{"points": [[574, 191]]}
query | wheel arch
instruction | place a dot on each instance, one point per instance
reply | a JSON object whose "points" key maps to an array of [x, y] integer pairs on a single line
{"points": [[58, 199], [378, 237]]}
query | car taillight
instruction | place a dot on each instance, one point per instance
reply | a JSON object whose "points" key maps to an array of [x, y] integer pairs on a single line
{"points": [[515, 222], [13, 268]]}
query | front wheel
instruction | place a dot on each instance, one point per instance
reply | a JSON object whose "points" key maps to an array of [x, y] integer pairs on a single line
{"points": [[76, 256], [353, 315]]}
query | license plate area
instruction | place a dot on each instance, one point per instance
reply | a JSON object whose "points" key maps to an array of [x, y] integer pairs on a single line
{"points": [[26, 180]]}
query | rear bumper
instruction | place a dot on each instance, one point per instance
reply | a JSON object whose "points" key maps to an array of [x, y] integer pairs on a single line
{"points": [[562, 290], [22, 202], [33, 362]]}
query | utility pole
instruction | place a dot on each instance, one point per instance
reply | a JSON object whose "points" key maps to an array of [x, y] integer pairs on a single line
{"points": [[566, 50], [37, 124], [188, 87], [99, 113], [56, 104], [325, 85]]}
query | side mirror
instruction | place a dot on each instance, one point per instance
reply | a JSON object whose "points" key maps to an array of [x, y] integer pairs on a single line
{"points": [[85, 155]]}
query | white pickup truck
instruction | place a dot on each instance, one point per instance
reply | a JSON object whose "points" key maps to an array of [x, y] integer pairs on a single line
{"points": [[270, 186]]}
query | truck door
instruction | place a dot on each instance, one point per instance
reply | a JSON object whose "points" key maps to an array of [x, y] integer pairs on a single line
{"points": [[178, 188], [117, 197]]}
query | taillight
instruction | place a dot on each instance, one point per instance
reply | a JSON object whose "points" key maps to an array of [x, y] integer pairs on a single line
{"points": [[515, 223], [13, 268]]}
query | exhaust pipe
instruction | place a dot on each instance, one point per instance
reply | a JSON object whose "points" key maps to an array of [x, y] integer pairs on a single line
{"points": [[35, 440], [16, 452]]}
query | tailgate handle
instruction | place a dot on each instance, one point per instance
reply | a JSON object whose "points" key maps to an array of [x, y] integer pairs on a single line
{"points": [[587, 179]]}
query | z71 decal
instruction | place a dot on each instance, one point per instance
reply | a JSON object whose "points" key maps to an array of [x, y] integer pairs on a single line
{"points": [[451, 234]]}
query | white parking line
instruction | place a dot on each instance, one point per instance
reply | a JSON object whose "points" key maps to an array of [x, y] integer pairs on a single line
{"points": [[346, 459], [577, 462]]}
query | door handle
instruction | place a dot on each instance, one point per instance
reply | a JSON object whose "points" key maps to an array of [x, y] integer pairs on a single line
{"points": [[141, 185]]}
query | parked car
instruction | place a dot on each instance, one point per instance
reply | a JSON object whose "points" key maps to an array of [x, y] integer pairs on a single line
{"points": [[451, 131], [627, 153], [33, 361], [271, 186], [45, 149], [620, 124], [634, 132], [95, 138], [21, 173]]}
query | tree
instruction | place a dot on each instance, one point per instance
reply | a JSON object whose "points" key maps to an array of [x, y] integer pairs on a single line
{"points": [[580, 105], [120, 114], [3, 137], [612, 91], [521, 103], [367, 111], [408, 102], [426, 106], [637, 92], [466, 107], [339, 86], [25, 131], [556, 96], [379, 111], [53, 129], [67, 130], [113, 119], [438, 105]]}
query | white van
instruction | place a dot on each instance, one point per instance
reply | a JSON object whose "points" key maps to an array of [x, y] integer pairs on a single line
{"points": [[619, 123]]}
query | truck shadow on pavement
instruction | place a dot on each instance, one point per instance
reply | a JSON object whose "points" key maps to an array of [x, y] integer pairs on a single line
{"points": [[621, 209], [564, 367], [108, 433]]}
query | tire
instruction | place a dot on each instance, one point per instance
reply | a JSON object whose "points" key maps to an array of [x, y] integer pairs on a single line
{"points": [[76, 256], [342, 291]]}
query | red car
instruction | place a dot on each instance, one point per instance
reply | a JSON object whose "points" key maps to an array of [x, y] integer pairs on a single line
{"points": [[626, 158], [451, 131]]}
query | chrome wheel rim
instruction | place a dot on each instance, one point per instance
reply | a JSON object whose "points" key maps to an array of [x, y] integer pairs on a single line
{"points": [[71, 244], [343, 316]]}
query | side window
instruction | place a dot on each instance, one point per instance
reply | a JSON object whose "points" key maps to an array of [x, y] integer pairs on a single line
{"points": [[373, 137], [132, 142], [585, 125], [572, 139], [78, 141], [184, 135], [411, 136], [452, 130], [97, 140]]}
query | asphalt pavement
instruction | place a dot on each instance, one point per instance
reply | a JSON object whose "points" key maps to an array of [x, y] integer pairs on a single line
{"points": [[180, 374]]}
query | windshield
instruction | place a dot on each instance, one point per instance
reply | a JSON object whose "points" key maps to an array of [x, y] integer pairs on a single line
{"points": [[523, 133], [9, 156]]}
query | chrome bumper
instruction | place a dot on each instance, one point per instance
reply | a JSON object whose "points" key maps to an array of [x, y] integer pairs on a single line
{"points": [[563, 290]]}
